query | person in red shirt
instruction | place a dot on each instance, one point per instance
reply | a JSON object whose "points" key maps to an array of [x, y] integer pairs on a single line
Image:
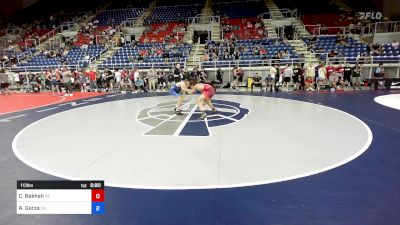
{"points": [[340, 73], [92, 80], [309, 83], [159, 52], [329, 70], [263, 51]]}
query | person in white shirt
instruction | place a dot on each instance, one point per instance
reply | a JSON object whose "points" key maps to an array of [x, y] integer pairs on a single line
{"points": [[395, 44], [287, 73], [152, 79], [321, 79], [118, 78], [84, 47], [136, 75], [271, 78], [122, 40]]}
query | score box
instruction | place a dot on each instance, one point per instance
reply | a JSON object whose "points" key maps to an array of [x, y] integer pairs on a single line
{"points": [[60, 197]]}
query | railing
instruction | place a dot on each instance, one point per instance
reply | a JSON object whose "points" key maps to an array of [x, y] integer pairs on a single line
{"points": [[49, 34], [24, 55], [393, 61], [387, 27], [69, 25], [204, 19], [370, 29], [27, 41], [13, 30], [95, 58], [189, 33], [4, 64], [286, 13], [129, 22], [106, 37], [27, 69], [141, 65]]}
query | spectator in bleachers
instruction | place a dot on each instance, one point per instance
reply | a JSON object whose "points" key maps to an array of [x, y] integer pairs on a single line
{"points": [[215, 57], [376, 49], [286, 54], [206, 57], [395, 44], [263, 51]]}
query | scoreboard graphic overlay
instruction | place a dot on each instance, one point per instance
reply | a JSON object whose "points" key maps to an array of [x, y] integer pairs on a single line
{"points": [[60, 197]]}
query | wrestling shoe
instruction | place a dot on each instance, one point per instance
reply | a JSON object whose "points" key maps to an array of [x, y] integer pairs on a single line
{"points": [[203, 115], [178, 112]]}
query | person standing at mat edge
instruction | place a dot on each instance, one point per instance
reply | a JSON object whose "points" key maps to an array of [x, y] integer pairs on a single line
{"points": [[207, 92], [4, 84]]}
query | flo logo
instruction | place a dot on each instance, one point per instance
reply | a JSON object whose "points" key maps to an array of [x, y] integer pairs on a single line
{"points": [[164, 121]]}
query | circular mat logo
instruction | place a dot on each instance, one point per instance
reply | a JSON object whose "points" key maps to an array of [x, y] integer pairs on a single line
{"points": [[164, 121]]}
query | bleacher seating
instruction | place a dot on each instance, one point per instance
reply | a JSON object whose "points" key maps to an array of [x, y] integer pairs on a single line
{"points": [[155, 54], [116, 16], [83, 38], [164, 32], [180, 2], [31, 34], [390, 54], [272, 47], [239, 19], [168, 14], [239, 9], [121, 4], [326, 20], [74, 57], [326, 44], [243, 28]]}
